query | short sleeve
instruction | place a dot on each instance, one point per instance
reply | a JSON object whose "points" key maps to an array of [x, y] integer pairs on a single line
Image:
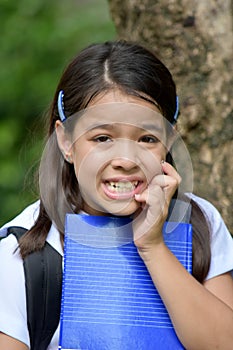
{"points": [[25, 219], [221, 240], [13, 315]]}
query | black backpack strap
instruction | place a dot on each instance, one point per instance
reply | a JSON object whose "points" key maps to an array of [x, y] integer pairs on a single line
{"points": [[43, 276], [16, 231]]}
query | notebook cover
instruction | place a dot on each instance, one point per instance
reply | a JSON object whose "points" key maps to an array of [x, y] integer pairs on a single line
{"points": [[109, 301]]}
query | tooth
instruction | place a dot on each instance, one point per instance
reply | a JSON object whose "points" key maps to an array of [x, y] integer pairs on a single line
{"points": [[122, 186]]}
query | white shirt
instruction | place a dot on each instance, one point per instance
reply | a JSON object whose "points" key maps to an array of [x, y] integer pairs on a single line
{"points": [[13, 315]]}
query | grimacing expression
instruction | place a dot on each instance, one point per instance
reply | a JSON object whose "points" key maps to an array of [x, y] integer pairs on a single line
{"points": [[116, 146]]}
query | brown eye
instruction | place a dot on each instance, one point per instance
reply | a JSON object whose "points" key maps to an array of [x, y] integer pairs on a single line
{"points": [[149, 139], [102, 138]]}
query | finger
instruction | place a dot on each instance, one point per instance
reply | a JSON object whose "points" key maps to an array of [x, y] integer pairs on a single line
{"points": [[150, 195], [142, 197], [165, 181], [169, 170], [159, 184]]}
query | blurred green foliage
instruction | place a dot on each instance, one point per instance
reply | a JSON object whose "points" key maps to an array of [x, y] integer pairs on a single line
{"points": [[38, 38]]}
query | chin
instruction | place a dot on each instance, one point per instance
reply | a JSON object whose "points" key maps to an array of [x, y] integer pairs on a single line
{"points": [[123, 210], [111, 207]]}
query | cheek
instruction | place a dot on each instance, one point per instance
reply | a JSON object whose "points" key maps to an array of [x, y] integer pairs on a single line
{"points": [[87, 166], [91, 160], [160, 152], [150, 162], [80, 152]]}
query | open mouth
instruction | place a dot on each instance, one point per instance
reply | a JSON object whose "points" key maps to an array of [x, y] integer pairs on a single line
{"points": [[121, 186], [121, 189]]}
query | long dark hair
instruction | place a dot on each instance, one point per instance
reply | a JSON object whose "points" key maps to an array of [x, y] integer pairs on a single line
{"points": [[97, 69]]}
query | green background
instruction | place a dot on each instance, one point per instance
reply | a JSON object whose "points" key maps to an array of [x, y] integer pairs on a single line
{"points": [[38, 38]]}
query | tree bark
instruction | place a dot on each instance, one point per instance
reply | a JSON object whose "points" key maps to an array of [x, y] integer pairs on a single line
{"points": [[195, 41]]}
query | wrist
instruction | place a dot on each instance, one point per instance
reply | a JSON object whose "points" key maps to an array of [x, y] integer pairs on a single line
{"points": [[151, 252]]}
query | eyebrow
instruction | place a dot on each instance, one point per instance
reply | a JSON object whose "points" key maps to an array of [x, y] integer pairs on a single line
{"points": [[110, 126], [152, 127], [100, 126]]}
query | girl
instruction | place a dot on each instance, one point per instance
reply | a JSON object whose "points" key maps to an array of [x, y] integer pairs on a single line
{"points": [[114, 163]]}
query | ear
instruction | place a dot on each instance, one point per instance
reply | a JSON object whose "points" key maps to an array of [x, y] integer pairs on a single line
{"points": [[64, 141]]}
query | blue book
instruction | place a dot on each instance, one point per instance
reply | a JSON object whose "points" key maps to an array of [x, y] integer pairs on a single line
{"points": [[109, 301]]}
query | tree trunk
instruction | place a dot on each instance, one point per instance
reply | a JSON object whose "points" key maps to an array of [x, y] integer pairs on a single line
{"points": [[195, 40]]}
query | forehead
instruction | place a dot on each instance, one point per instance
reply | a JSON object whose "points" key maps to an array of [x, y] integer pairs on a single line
{"points": [[108, 114]]}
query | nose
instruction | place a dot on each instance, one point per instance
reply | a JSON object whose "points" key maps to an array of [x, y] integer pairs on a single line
{"points": [[123, 163], [125, 155]]}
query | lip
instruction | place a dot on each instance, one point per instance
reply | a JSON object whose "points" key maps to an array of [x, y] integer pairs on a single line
{"points": [[123, 195]]}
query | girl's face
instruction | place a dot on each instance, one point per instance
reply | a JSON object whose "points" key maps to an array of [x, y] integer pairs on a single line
{"points": [[117, 147]]}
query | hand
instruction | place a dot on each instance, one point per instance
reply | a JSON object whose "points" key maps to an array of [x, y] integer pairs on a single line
{"points": [[155, 200]]}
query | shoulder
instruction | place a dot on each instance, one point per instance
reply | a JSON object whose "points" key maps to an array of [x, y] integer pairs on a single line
{"points": [[211, 214], [221, 241], [25, 219], [9, 245], [208, 208], [216, 224]]}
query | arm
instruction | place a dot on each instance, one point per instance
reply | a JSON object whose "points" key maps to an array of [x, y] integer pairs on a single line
{"points": [[202, 320], [202, 315], [10, 343], [13, 314]]}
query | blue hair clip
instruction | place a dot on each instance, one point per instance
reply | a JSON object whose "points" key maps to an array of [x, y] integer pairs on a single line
{"points": [[177, 111], [60, 106]]}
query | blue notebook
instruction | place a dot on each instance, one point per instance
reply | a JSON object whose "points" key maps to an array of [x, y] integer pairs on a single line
{"points": [[108, 299]]}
